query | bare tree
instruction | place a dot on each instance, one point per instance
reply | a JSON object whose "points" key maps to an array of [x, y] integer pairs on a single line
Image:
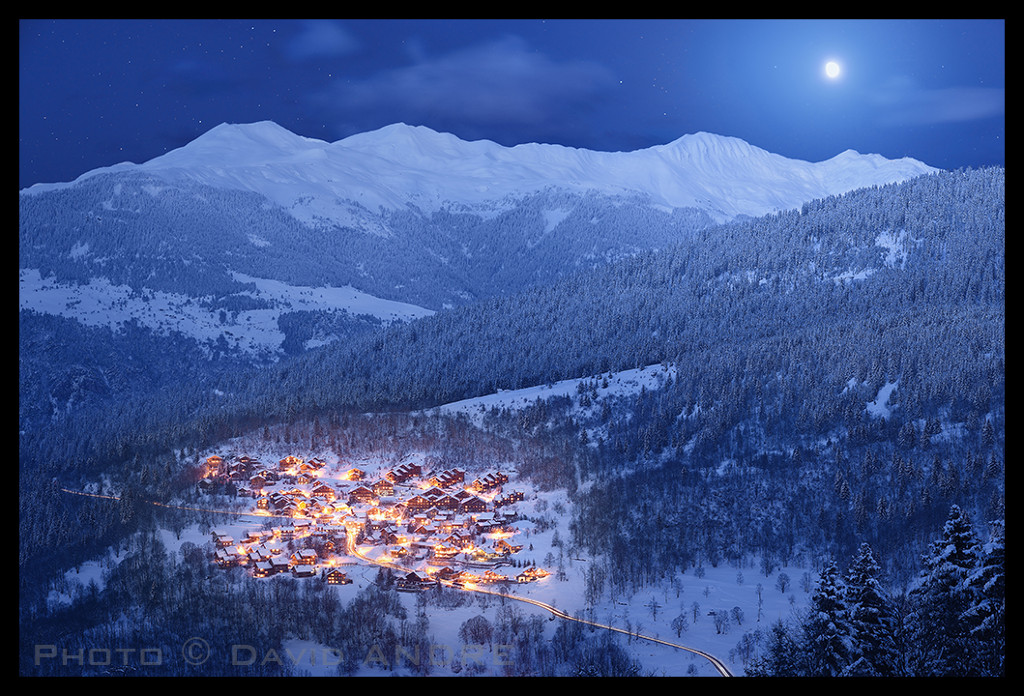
{"points": [[782, 582], [680, 624]]}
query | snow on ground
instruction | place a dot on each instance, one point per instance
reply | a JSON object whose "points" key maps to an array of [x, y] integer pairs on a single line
{"points": [[622, 383], [880, 406], [256, 332], [650, 612], [346, 299]]}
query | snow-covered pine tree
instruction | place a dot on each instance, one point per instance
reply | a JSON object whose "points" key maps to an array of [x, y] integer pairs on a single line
{"points": [[828, 633], [940, 636], [986, 617], [871, 617], [783, 656]]}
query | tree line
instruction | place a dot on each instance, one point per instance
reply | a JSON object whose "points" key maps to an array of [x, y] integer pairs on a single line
{"points": [[950, 624]]}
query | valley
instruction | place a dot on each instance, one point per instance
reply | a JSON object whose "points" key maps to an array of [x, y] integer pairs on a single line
{"points": [[673, 414], [278, 524]]}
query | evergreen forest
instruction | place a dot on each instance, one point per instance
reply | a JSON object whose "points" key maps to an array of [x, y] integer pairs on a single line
{"points": [[834, 397]]}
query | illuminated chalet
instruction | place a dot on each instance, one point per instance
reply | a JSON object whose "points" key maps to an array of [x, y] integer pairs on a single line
{"points": [[334, 576], [447, 478], [403, 472]]}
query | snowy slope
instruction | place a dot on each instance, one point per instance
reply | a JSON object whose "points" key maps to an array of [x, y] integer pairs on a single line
{"points": [[347, 181], [624, 383], [254, 332]]}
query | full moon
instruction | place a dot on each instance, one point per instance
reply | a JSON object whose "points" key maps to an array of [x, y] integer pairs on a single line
{"points": [[832, 69]]}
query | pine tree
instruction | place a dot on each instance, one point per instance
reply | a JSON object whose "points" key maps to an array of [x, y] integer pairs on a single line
{"points": [[783, 656], [871, 617], [827, 630], [986, 617], [940, 635], [988, 434]]}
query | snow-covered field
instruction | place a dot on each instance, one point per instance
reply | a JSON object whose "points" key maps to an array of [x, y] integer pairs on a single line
{"points": [[255, 332], [624, 383], [751, 600]]}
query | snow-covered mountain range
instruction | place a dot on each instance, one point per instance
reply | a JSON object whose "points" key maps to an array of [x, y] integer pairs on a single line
{"points": [[401, 165], [268, 239]]}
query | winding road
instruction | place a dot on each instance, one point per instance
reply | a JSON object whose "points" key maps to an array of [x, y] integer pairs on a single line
{"points": [[715, 662]]}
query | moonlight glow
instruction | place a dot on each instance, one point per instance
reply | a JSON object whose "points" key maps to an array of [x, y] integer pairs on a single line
{"points": [[832, 69]]}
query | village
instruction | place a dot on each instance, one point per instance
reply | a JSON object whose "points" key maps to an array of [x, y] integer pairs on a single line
{"points": [[427, 528]]}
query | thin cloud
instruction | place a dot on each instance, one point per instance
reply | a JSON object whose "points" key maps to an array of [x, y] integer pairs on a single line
{"points": [[320, 38], [500, 82], [902, 103]]}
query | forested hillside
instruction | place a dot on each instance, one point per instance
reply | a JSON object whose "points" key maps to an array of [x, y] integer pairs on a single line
{"points": [[897, 283], [136, 237], [137, 230], [838, 379], [903, 282]]}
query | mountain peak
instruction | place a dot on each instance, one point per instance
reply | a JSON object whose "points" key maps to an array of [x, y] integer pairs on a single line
{"points": [[268, 131], [706, 139], [710, 146], [238, 144], [402, 139]]}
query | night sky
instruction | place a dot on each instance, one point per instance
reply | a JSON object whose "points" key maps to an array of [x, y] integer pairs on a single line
{"points": [[97, 92]]}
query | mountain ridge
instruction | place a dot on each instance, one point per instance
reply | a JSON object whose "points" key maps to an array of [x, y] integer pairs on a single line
{"points": [[390, 168], [403, 214]]}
